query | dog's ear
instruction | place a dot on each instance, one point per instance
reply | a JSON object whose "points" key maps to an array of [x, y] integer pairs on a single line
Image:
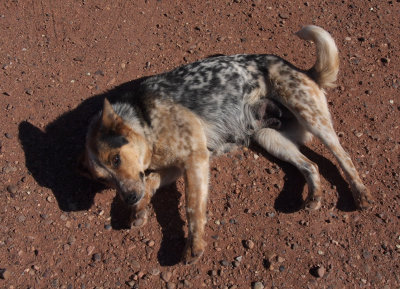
{"points": [[108, 118]]}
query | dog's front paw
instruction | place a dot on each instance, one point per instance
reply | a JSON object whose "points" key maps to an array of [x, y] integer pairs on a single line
{"points": [[193, 251], [139, 219]]}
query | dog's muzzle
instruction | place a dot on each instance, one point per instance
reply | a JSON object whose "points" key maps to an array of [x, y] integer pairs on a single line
{"points": [[132, 199]]}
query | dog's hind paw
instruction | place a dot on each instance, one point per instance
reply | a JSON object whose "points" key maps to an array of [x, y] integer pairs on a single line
{"points": [[312, 204], [193, 251], [363, 199]]}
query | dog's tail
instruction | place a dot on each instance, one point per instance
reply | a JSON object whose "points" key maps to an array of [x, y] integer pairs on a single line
{"points": [[325, 70]]}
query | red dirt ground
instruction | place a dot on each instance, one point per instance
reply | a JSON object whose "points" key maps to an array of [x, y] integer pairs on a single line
{"points": [[59, 230]]}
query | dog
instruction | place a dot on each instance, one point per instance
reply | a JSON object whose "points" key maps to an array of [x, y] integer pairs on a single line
{"points": [[174, 122]]}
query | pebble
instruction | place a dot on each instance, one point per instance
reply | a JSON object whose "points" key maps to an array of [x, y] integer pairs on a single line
{"points": [[90, 250], [258, 285], [8, 135], [321, 271], [9, 169], [150, 243], [225, 263], [385, 60], [29, 91], [187, 283], [283, 16], [135, 264], [239, 258], [12, 190], [4, 274], [96, 257], [155, 271], [99, 72], [108, 227], [166, 276], [171, 285], [50, 199], [248, 244]]}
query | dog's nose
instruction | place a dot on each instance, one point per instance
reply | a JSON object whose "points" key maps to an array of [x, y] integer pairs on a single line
{"points": [[131, 199]]}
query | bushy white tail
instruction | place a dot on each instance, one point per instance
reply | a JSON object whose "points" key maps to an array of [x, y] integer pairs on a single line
{"points": [[325, 70]]}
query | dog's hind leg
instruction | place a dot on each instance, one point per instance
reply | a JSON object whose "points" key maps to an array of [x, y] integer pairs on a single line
{"points": [[282, 147], [323, 129], [308, 103]]}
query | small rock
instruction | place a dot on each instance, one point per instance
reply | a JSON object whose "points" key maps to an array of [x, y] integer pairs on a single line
{"points": [[248, 244], [135, 264], [21, 219], [385, 60], [171, 285], [212, 273], [239, 258], [9, 169], [50, 199], [96, 257], [321, 271], [8, 135], [4, 274], [283, 16], [280, 259], [71, 240], [155, 271], [150, 243], [258, 285], [29, 91], [166, 276], [108, 227], [318, 271], [90, 250], [236, 264], [99, 72], [224, 263], [12, 189]]}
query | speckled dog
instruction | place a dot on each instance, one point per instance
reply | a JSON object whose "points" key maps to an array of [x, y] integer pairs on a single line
{"points": [[171, 124]]}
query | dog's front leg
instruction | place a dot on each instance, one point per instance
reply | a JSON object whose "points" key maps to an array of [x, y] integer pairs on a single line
{"points": [[196, 184], [139, 210]]}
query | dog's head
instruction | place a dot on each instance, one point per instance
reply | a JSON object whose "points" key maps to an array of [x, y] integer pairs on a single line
{"points": [[116, 155]]}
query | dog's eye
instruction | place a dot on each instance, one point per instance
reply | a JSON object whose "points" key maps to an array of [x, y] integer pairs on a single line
{"points": [[141, 175], [116, 161]]}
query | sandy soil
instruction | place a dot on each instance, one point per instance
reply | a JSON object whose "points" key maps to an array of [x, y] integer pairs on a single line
{"points": [[59, 230]]}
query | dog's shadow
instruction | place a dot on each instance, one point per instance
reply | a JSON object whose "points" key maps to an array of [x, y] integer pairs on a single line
{"points": [[165, 204], [290, 198]]}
